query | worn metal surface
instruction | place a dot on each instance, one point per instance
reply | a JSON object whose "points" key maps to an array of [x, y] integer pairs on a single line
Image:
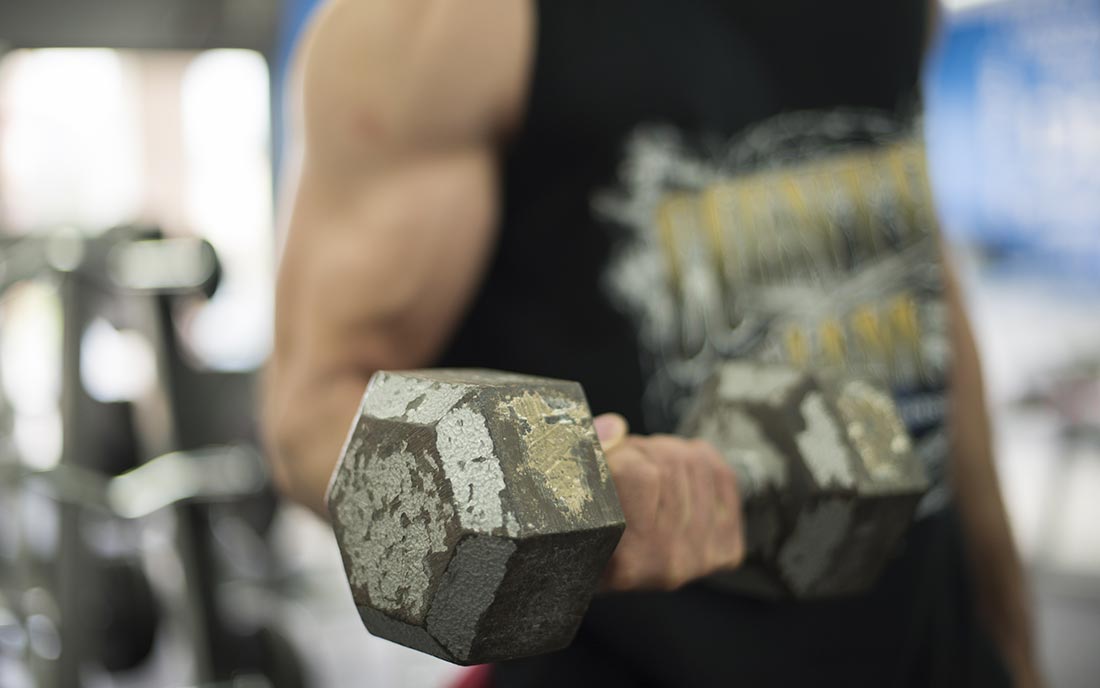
{"points": [[826, 470], [474, 512]]}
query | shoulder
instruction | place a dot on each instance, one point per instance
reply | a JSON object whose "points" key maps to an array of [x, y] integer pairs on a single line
{"points": [[409, 73]]}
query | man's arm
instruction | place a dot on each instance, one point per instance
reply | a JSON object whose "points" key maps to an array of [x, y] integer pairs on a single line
{"points": [[394, 210], [392, 224], [1003, 598]]}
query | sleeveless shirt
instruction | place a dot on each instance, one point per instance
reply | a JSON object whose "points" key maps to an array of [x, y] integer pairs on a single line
{"points": [[704, 179]]}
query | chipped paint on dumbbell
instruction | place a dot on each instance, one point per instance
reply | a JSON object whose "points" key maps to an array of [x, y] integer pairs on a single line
{"points": [[413, 400], [390, 554], [473, 470], [877, 433], [463, 441], [819, 532], [451, 572], [824, 440], [757, 384], [758, 464], [453, 488], [840, 481], [549, 434]]}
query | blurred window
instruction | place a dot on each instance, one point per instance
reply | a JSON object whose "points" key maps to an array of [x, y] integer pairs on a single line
{"points": [[226, 134], [1012, 98], [93, 138], [70, 153]]}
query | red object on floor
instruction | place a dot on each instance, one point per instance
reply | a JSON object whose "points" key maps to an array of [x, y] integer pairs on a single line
{"points": [[480, 676]]}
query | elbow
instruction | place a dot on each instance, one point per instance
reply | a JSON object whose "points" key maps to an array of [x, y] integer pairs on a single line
{"points": [[304, 423], [277, 433], [288, 436]]}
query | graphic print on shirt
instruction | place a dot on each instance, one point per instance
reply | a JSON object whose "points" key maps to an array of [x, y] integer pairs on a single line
{"points": [[810, 240]]}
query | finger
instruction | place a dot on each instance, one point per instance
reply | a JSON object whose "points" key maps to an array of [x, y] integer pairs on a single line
{"points": [[611, 429], [666, 453], [631, 566], [704, 507], [719, 484], [704, 470], [638, 485], [697, 494], [726, 547], [684, 514]]}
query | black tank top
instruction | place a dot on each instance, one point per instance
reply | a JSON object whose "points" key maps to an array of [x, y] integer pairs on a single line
{"points": [[692, 91], [602, 69]]}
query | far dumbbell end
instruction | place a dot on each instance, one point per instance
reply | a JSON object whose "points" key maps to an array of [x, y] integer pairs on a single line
{"points": [[474, 512], [829, 479]]}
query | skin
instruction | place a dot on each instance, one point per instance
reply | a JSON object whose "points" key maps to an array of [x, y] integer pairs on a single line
{"points": [[405, 106], [682, 509], [1001, 588]]}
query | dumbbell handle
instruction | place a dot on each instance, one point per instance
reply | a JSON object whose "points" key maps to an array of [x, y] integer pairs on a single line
{"points": [[826, 472]]}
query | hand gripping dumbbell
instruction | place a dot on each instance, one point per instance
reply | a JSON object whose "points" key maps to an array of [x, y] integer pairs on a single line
{"points": [[475, 512]]}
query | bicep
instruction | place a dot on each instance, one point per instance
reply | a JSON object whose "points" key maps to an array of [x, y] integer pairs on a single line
{"points": [[377, 272], [381, 79]]}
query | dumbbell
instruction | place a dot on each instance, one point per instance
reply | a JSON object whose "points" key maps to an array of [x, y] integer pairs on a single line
{"points": [[475, 512]]}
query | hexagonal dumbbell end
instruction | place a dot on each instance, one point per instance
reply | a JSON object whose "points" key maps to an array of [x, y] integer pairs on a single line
{"points": [[474, 512], [880, 494], [828, 477]]}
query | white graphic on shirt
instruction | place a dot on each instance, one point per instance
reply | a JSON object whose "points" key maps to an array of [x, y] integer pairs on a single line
{"points": [[809, 240]]}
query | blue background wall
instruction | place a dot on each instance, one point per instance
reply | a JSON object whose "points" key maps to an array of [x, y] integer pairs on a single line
{"points": [[1012, 95]]}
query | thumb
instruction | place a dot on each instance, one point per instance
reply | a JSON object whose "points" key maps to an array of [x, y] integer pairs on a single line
{"points": [[611, 428]]}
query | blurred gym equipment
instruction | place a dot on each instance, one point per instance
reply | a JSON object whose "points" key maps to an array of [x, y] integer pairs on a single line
{"points": [[139, 545], [81, 590], [148, 24]]}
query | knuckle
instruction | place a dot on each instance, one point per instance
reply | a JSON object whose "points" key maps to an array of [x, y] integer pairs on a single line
{"points": [[721, 562], [729, 477], [669, 448], [662, 549], [668, 468], [686, 564], [669, 580], [648, 474], [625, 462], [705, 451], [664, 439], [732, 554], [641, 475], [699, 447], [677, 577], [713, 559], [622, 455], [624, 578], [731, 497], [739, 549], [638, 574]]}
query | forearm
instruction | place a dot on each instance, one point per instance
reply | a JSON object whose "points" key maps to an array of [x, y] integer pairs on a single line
{"points": [[306, 425], [1002, 592]]}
